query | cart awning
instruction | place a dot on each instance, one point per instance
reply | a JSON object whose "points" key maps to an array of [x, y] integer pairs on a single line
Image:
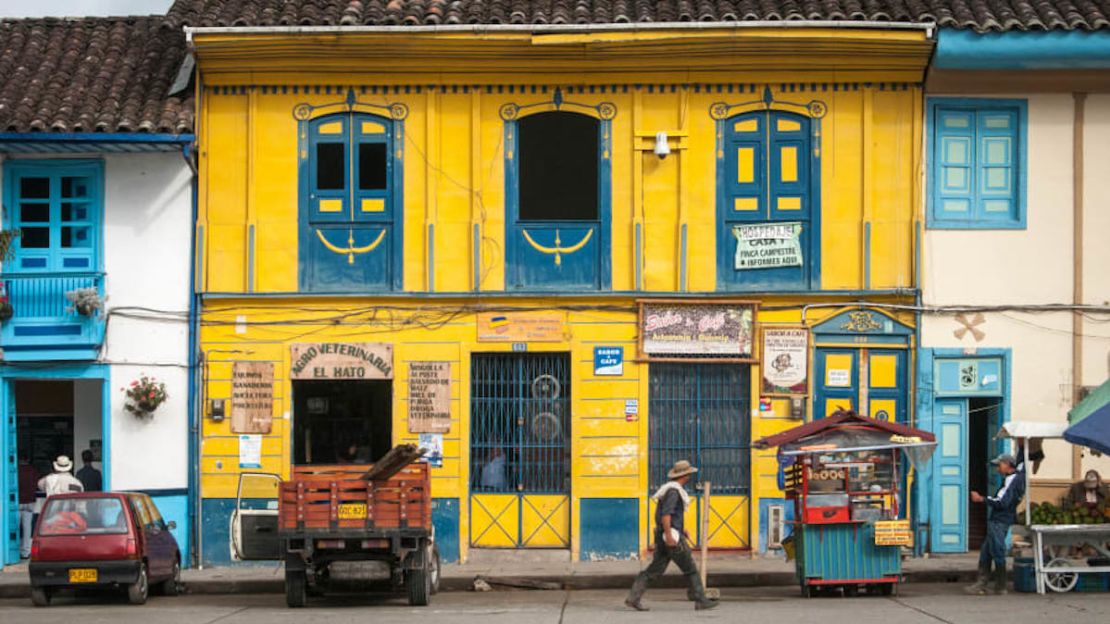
{"points": [[843, 418], [1024, 429]]}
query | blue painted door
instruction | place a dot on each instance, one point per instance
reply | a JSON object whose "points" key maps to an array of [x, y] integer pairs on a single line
{"points": [[768, 211], [837, 381], [949, 509], [10, 486]]}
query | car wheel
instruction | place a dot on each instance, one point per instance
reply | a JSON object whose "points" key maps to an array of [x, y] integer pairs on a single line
{"points": [[172, 585], [138, 591], [296, 587], [435, 570], [40, 596]]}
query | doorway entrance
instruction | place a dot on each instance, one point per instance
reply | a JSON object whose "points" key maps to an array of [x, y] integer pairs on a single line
{"points": [[702, 413], [47, 418], [341, 422], [520, 450]]}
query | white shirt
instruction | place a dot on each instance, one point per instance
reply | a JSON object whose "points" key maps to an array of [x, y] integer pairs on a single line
{"points": [[60, 483]]}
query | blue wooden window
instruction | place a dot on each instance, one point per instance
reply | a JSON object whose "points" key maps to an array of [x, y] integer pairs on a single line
{"points": [[557, 188], [350, 231], [56, 206], [768, 187], [977, 163]]}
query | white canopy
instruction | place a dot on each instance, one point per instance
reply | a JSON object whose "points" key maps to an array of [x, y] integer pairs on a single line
{"points": [[1025, 429]]}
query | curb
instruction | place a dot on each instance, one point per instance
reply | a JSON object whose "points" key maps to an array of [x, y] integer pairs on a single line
{"points": [[225, 586]]}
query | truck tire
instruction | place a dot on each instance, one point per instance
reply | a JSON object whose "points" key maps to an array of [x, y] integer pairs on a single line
{"points": [[138, 591], [40, 596], [296, 586], [419, 582], [435, 570]]}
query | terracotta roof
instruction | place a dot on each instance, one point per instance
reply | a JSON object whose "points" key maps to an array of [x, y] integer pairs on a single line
{"points": [[838, 419], [92, 75], [980, 15]]}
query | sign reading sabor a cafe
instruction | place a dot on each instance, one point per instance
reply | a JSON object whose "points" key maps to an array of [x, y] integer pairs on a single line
{"points": [[342, 360]]}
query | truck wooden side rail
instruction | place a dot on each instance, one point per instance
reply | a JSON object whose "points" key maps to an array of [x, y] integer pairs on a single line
{"points": [[330, 514]]}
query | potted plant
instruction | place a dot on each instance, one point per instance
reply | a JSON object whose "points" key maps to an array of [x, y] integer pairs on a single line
{"points": [[85, 301], [144, 395], [6, 310]]}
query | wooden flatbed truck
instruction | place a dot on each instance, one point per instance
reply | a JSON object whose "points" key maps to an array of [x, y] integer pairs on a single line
{"points": [[331, 514]]}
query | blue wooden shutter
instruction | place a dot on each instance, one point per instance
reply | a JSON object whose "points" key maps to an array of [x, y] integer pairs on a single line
{"points": [[949, 509], [746, 168], [954, 172], [996, 171]]}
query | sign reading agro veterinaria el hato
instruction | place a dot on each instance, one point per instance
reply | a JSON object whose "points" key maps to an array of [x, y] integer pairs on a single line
{"points": [[768, 245], [677, 329], [340, 360]]}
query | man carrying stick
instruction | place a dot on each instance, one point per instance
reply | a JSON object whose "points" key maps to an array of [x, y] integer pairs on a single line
{"points": [[670, 545]]}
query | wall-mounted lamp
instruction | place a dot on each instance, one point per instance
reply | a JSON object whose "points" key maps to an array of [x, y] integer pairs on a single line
{"points": [[662, 149]]}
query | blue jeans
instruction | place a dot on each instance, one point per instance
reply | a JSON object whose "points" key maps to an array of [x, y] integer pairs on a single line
{"points": [[994, 547]]}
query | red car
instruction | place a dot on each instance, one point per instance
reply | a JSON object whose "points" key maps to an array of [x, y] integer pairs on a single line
{"points": [[104, 540]]}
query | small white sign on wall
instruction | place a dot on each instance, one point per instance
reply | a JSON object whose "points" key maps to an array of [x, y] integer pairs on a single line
{"points": [[250, 451], [838, 377]]}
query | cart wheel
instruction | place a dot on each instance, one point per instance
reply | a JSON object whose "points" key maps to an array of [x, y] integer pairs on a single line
{"points": [[296, 586], [888, 589], [435, 569], [851, 591], [807, 591], [419, 583], [1061, 581]]}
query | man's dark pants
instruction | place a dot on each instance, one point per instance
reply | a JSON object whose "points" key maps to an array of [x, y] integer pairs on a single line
{"points": [[994, 547], [664, 554]]}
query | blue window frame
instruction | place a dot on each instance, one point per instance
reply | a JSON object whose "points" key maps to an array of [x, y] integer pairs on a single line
{"points": [[977, 163], [57, 206], [350, 217], [768, 202], [557, 178]]}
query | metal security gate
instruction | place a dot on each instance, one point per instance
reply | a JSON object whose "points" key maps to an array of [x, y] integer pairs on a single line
{"points": [[520, 450], [701, 413]]}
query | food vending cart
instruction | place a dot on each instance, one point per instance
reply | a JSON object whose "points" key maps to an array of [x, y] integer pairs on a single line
{"points": [[845, 476]]}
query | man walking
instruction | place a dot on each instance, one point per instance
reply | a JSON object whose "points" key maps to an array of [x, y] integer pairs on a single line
{"points": [[88, 475], [1003, 513], [27, 478], [671, 502]]}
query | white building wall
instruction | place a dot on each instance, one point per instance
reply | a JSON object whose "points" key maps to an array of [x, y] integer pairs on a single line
{"points": [[1034, 266], [147, 226]]}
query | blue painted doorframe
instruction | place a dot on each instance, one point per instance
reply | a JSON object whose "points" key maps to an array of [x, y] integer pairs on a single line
{"points": [[9, 485], [945, 375]]}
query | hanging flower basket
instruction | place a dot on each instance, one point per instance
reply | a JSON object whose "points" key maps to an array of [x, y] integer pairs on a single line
{"points": [[85, 301], [144, 395]]}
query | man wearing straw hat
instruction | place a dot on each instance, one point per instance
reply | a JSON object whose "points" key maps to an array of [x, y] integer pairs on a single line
{"points": [[670, 545], [61, 481]]}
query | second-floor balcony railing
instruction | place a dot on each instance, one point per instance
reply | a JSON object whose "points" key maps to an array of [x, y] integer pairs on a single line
{"points": [[45, 324]]}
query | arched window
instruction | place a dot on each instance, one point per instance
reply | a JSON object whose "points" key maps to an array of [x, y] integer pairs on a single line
{"points": [[768, 210], [557, 172], [350, 216]]}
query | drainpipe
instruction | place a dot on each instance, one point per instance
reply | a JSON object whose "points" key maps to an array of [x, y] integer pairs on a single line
{"points": [[187, 151], [1077, 270]]}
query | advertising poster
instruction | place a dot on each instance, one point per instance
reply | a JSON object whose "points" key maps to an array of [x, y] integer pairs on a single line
{"points": [[702, 329], [785, 361]]}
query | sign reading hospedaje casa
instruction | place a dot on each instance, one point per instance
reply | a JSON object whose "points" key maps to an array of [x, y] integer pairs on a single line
{"points": [[341, 360]]}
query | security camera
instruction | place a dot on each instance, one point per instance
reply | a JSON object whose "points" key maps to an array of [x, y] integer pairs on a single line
{"points": [[661, 148]]}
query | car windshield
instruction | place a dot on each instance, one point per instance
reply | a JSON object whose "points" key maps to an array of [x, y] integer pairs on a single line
{"points": [[83, 516]]}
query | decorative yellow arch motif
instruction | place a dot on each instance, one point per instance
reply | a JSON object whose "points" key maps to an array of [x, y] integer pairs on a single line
{"points": [[814, 109], [350, 250], [558, 250]]}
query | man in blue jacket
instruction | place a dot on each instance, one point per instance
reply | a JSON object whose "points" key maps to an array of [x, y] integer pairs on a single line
{"points": [[1002, 510]]}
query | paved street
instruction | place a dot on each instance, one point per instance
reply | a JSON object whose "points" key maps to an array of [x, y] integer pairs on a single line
{"points": [[916, 604]]}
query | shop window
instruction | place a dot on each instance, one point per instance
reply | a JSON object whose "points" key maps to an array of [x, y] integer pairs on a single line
{"points": [[56, 206], [350, 216], [977, 164], [341, 422], [557, 175]]}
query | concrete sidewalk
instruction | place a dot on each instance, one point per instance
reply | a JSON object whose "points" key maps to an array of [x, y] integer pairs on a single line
{"points": [[725, 570]]}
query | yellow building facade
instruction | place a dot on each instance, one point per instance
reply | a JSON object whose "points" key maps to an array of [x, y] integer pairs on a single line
{"points": [[555, 258]]}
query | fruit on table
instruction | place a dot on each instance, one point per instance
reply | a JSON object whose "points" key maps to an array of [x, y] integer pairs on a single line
{"points": [[1047, 513]]}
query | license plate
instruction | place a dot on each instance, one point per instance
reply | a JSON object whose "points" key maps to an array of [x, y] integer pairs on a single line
{"points": [[82, 575], [352, 511]]}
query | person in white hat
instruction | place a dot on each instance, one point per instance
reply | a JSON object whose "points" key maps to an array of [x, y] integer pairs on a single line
{"points": [[670, 540], [61, 481]]}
